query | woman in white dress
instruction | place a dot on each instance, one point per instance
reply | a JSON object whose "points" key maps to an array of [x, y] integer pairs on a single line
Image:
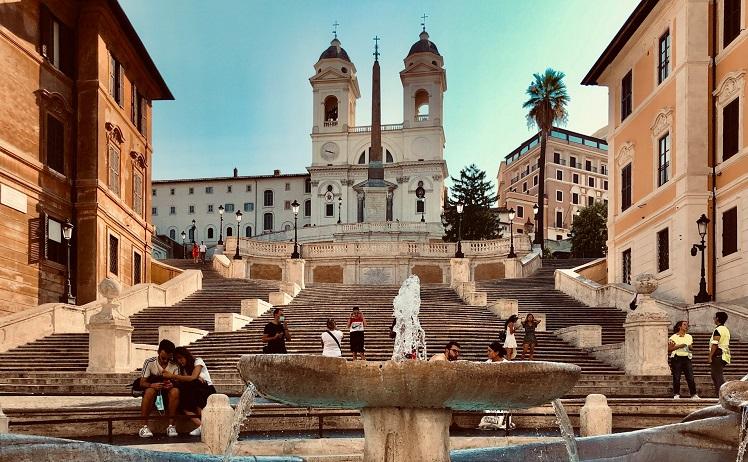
{"points": [[510, 343], [331, 340]]}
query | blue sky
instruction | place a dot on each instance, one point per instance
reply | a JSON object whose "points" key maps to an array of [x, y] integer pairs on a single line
{"points": [[239, 71]]}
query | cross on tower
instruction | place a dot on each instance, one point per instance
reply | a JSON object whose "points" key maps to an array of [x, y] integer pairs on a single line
{"points": [[376, 48], [335, 28], [423, 24]]}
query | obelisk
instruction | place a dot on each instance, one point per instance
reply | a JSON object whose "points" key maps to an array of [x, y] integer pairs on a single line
{"points": [[375, 191]]}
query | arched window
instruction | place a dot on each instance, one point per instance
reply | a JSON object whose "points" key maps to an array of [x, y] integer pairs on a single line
{"points": [[388, 158], [362, 158], [268, 197], [331, 109], [308, 208], [287, 227], [191, 234], [211, 233], [173, 234], [229, 231], [267, 222], [248, 231], [422, 105]]}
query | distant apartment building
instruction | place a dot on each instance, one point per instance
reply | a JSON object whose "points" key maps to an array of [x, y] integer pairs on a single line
{"points": [[676, 75], [576, 175], [265, 202]]}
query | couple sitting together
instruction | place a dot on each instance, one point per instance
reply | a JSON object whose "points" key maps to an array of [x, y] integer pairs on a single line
{"points": [[177, 379]]}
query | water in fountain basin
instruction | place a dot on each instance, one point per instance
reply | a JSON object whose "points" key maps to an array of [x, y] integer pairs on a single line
{"points": [[567, 431], [410, 338], [241, 412], [743, 435]]}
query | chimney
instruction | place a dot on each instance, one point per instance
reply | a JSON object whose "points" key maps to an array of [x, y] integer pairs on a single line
{"points": [[276, 172], [236, 172]]}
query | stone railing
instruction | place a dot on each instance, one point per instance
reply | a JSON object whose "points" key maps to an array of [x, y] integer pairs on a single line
{"points": [[337, 232], [161, 272], [56, 318], [256, 248], [367, 128]]}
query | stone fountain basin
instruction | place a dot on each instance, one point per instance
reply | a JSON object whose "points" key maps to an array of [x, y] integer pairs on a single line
{"points": [[318, 381], [734, 395]]}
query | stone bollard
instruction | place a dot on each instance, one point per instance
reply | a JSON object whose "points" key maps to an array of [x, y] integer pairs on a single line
{"points": [[217, 419], [4, 422], [459, 271], [645, 348], [595, 417]]}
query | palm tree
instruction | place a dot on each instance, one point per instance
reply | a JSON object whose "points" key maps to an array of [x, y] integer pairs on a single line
{"points": [[546, 107]]}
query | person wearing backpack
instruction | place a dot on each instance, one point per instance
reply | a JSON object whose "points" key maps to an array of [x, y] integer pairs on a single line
{"points": [[331, 339]]}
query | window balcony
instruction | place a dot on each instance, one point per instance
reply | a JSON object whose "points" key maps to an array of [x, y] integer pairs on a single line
{"points": [[331, 123], [422, 117]]}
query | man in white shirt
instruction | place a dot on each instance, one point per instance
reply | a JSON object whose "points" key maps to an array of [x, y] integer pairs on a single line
{"points": [[331, 340], [203, 251], [153, 384]]}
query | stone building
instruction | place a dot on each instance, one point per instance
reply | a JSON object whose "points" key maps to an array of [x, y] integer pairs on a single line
{"points": [[75, 144], [676, 74], [576, 175]]}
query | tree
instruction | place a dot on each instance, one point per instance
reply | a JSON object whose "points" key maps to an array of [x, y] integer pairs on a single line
{"points": [[589, 232], [477, 195], [546, 107]]}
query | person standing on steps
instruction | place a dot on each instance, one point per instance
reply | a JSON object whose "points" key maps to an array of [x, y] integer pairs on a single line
{"points": [[529, 341], [276, 334], [679, 346], [510, 343], [195, 253], [331, 339], [719, 350], [203, 250], [356, 326]]}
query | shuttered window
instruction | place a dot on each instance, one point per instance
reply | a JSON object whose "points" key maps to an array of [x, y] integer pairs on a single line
{"points": [[730, 231], [626, 96], [113, 255], [626, 270], [55, 144], [731, 21], [137, 193], [137, 268], [116, 80], [626, 187], [730, 127], [114, 169]]}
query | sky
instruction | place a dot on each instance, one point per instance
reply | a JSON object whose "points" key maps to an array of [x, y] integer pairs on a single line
{"points": [[239, 73]]}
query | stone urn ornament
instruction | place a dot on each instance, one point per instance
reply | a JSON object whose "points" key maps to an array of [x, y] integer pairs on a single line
{"points": [[111, 289], [647, 309]]}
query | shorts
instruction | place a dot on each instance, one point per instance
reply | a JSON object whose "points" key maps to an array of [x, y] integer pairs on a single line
{"points": [[357, 342]]}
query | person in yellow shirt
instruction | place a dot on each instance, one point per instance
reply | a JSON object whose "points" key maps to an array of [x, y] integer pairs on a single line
{"points": [[719, 349], [679, 347]]}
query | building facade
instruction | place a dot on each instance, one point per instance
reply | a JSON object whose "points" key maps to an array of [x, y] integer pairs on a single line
{"points": [[264, 201], [576, 175], [413, 151], [676, 74]]}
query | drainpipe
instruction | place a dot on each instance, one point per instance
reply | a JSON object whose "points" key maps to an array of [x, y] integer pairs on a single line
{"points": [[713, 235]]}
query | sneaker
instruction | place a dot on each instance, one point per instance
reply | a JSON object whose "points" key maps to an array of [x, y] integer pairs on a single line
{"points": [[145, 432], [676, 397], [695, 397], [197, 432], [171, 431]]}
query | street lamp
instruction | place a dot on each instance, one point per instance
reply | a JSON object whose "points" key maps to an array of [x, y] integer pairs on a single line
{"points": [[511, 234], [184, 252], [421, 196], [220, 232], [238, 222], [535, 209], [67, 234], [459, 254], [194, 231], [703, 296], [295, 206], [340, 207]]}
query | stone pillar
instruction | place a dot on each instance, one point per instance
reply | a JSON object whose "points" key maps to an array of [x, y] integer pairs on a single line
{"points": [[295, 271], [4, 422], [459, 271], [110, 332], [217, 420], [595, 417], [406, 434], [645, 348]]}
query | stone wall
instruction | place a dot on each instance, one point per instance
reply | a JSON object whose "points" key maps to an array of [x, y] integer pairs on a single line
{"points": [[328, 274], [489, 271], [428, 274], [266, 271]]}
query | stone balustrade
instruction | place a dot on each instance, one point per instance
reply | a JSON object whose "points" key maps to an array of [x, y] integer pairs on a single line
{"points": [[581, 336], [230, 322], [180, 335]]}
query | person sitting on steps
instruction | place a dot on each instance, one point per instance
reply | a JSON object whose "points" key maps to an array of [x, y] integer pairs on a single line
{"points": [[194, 383], [157, 389], [451, 353]]}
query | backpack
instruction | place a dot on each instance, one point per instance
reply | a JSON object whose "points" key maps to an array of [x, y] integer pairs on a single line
{"points": [[502, 336]]}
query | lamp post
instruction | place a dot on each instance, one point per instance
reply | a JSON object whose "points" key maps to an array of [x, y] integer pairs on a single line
{"points": [[220, 232], [703, 296], [295, 206], [511, 234], [340, 207], [194, 231], [459, 254], [67, 234], [238, 222], [184, 252], [421, 196], [535, 218]]}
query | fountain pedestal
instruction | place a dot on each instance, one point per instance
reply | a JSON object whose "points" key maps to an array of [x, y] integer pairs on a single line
{"points": [[406, 434]]}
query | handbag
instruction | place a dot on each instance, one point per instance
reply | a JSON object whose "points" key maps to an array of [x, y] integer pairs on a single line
{"points": [[137, 391], [336, 340]]}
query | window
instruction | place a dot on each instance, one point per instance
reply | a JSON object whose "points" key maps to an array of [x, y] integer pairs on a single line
{"points": [[191, 210], [116, 80], [605, 185], [559, 175], [267, 198], [535, 180], [137, 268], [138, 110], [229, 189], [626, 187], [211, 233], [287, 205], [173, 234], [730, 231], [730, 128], [210, 208], [663, 250], [588, 165], [524, 186], [559, 196], [57, 42], [573, 162], [228, 208], [248, 231], [172, 210], [308, 186], [420, 206], [556, 157], [575, 178], [663, 63], [307, 208], [559, 237], [249, 206], [591, 181], [590, 201], [249, 188], [55, 144], [114, 169], [288, 186], [559, 219], [209, 190], [137, 193], [663, 159], [574, 198], [55, 248], [171, 192], [154, 210], [626, 261], [731, 21], [229, 231], [604, 169], [520, 211], [191, 191], [153, 192], [329, 210], [113, 255], [626, 96], [605, 201], [267, 222]]}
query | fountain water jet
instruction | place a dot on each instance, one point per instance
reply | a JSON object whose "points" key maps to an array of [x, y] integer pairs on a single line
{"points": [[241, 412], [410, 339]]}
